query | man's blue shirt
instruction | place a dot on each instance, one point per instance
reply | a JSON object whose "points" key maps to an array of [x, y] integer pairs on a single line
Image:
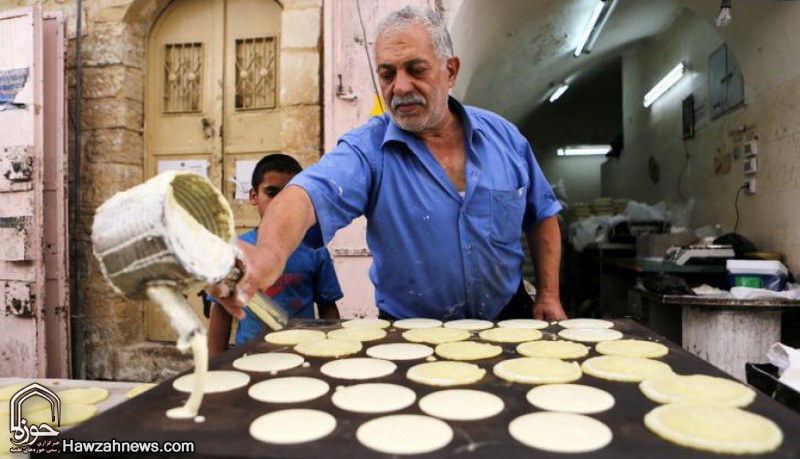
{"points": [[435, 254], [309, 277]]}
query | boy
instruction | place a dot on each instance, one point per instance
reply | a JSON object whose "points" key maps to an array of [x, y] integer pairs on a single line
{"points": [[309, 276]]}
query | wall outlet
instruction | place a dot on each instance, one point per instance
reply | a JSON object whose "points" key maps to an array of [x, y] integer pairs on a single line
{"points": [[750, 165], [750, 186], [750, 148]]}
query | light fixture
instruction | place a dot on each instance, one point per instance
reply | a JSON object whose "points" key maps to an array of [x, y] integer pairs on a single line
{"points": [[667, 82], [559, 92], [584, 150], [584, 37], [724, 18], [599, 29]]}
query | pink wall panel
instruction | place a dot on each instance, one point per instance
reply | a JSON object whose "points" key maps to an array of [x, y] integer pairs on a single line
{"points": [[22, 346]]}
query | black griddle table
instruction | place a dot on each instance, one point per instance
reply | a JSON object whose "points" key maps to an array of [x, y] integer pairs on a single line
{"points": [[228, 415]]}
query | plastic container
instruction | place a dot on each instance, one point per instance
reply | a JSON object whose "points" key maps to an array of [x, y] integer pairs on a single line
{"points": [[766, 274]]}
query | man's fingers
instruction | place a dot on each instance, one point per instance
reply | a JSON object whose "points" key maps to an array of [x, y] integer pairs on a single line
{"points": [[222, 295], [219, 290], [229, 304]]}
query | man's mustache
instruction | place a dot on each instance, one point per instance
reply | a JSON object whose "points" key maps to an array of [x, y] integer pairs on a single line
{"points": [[410, 98]]}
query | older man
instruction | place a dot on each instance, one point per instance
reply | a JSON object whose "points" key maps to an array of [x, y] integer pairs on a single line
{"points": [[447, 191]]}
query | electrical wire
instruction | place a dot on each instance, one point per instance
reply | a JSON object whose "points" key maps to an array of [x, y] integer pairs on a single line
{"points": [[369, 59], [736, 207]]}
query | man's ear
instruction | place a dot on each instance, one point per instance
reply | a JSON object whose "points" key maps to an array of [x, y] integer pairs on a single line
{"points": [[453, 65], [253, 201]]}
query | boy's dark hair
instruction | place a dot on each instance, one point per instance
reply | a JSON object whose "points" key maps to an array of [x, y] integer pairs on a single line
{"points": [[277, 162]]}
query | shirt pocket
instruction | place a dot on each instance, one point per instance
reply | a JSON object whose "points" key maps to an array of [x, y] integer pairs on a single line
{"points": [[507, 212]]}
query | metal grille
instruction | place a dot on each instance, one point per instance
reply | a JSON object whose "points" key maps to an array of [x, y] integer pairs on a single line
{"points": [[183, 77], [255, 73]]}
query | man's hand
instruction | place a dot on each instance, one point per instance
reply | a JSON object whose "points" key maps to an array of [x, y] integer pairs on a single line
{"points": [[548, 308], [261, 267]]}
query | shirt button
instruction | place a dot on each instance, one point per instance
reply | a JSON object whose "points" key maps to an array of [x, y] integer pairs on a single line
{"points": [[468, 246]]}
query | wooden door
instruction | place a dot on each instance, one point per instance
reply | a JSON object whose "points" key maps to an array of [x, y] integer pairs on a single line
{"points": [[211, 100], [55, 214], [347, 107], [251, 114], [22, 306]]}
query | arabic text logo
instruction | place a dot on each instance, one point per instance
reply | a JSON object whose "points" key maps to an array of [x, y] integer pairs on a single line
{"points": [[23, 434]]}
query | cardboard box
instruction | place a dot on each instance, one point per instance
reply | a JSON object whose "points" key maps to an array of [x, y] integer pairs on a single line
{"points": [[655, 245]]}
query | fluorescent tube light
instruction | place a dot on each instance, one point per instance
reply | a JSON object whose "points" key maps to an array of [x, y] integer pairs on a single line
{"points": [[588, 30], [559, 92], [584, 150], [599, 29], [663, 86]]}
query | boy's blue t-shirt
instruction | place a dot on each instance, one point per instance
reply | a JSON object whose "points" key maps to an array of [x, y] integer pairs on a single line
{"points": [[309, 277]]}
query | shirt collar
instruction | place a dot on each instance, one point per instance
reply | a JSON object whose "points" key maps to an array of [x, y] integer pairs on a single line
{"points": [[396, 133]]}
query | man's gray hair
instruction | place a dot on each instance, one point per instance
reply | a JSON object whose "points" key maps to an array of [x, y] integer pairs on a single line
{"points": [[433, 21]]}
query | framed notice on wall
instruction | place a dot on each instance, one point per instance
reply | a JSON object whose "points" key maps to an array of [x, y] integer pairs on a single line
{"points": [[688, 117]]}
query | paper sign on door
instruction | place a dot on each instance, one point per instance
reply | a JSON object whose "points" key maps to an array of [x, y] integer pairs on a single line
{"points": [[244, 172], [198, 166]]}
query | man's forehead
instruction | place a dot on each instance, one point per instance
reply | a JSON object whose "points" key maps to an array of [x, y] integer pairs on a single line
{"points": [[397, 39]]}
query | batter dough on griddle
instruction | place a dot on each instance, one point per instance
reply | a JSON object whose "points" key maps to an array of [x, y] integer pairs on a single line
{"points": [[140, 389], [366, 323], [510, 335], [291, 389], [405, 434], [400, 351], [714, 428], [553, 349], [560, 432], [461, 404], [570, 398], [216, 381], [444, 374], [467, 350], [358, 334], [287, 427], [436, 335], [469, 324], [585, 323], [88, 396], [328, 348], [590, 335], [7, 392], [537, 370], [293, 337], [626, 369], [697, 389], [523, 323], [358, 368], [632, 348], [268, 362], [373, 398], [71, 414], [417, 323]]}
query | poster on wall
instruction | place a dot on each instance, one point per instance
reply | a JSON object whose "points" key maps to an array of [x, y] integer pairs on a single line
{"points": [[198, 166], [244, 172]]}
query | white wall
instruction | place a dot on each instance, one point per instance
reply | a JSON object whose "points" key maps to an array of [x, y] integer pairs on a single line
{"points": [[581, 175], [765, 39]]}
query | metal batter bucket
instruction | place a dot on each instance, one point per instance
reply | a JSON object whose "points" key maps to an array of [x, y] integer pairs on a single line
{"points": [[168, 235], [174, 228]]}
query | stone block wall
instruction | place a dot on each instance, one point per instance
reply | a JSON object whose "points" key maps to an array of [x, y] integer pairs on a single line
{"points": [[108, 332]]}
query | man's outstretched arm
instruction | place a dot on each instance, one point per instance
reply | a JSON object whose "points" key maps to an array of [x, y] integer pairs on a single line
{"points": [[544, 240], [282, 228]]}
